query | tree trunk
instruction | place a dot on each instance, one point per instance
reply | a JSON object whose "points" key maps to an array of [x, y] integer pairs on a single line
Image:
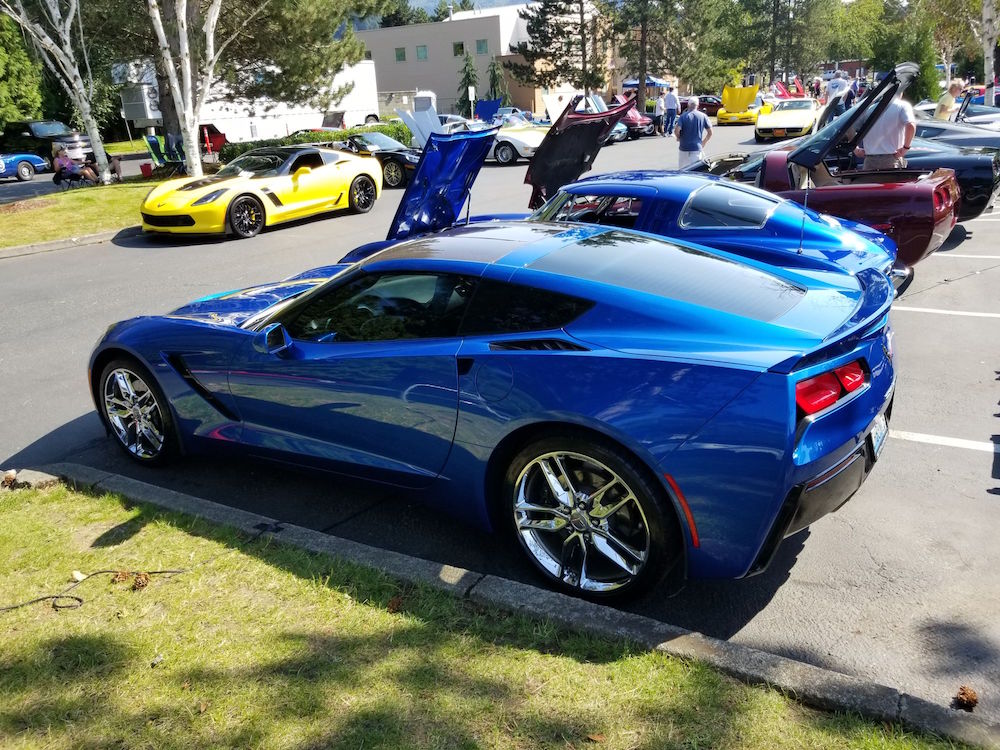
{"points": [[583, 50], [775, 25], [643, 61], [989, 39], [168, 111]]}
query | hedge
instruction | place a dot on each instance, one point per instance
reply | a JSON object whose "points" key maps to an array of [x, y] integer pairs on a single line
{"points": [[396, 130]]}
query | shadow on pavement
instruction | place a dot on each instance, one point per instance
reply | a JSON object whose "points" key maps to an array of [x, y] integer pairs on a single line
{"points": [[958, 235]]}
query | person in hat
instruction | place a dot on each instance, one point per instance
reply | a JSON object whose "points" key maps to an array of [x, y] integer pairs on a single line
{"points": [[62, 164]]}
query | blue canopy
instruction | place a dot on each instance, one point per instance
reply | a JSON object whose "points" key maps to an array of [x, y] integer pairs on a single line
{"points": [[651, 82]]}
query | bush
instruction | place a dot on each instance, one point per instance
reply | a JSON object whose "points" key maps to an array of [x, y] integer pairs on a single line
{"points": [[396, 130]]}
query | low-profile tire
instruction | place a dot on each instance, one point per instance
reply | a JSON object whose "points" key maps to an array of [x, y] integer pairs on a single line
{"points": [[136, 413], [362, 194], [393, 174], [757, 138], [589, 517], [246, 217], [25, 171], [505, 153]]}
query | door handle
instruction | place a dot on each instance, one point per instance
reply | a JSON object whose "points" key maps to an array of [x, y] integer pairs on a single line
{"points": [[465, 365]]}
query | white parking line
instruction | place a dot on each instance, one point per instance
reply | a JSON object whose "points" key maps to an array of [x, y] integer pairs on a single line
{"points": [[935, 311], [959, 255], [920, 437]]}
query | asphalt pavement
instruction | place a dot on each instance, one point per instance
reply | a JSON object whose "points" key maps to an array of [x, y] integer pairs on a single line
{"points": [[901, 586]]}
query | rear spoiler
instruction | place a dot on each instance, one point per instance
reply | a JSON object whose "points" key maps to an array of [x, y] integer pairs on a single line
{"points": [[868, 317]]}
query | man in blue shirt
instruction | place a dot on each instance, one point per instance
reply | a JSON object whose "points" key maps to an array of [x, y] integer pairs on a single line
{"points": [[693, 131]]}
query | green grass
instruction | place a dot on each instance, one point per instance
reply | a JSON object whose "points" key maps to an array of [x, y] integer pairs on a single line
{"points": [[136, 146], [72, 213], [264, 646]]}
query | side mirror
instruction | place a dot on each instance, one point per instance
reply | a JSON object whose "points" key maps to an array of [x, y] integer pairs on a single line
{"points": [[302, 171], [274, 339]]}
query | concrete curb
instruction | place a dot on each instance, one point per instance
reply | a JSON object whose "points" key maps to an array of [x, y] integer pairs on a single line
{"points": [[814, 686], [48, 247]]}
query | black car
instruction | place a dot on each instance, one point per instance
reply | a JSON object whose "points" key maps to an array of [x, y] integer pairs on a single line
{"points": [[45, 138], [398, 161], [955, 133]]}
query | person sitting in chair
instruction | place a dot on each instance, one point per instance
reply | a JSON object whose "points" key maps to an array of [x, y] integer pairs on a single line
{"points": [[64, 166]]}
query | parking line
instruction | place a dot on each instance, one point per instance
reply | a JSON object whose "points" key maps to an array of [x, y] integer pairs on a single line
{"points": [[959, 255], [920, 437], [945, 312]]}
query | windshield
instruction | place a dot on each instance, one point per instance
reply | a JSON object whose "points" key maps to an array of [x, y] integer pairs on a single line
{"points": [[49, 129], [380, 141], [254, 165], [515, 121], [799, 104]]}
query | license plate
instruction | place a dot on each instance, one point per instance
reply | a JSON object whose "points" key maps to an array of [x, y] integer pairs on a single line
{"points": [[880, 429], [779, 131]]}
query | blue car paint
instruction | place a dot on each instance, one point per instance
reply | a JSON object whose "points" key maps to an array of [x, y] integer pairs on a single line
{"points": [[705, 396], [9, 162]]}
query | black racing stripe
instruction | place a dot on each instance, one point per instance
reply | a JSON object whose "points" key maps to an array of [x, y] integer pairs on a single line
{"points": [[205, 182]]}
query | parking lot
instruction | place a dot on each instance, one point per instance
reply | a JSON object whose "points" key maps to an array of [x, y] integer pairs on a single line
{"points": [[902, 585]]}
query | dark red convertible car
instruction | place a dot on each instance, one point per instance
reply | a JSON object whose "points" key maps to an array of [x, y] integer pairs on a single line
{"points": [[916, 208], [638, 124]]}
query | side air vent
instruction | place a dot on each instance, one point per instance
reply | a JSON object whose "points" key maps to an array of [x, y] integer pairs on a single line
{"points": [[537, 345], [178, 364]]}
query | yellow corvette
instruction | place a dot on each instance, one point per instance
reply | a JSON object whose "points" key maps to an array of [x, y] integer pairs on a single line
{"points": [[790, 118], [264, 187], [741, 105]]}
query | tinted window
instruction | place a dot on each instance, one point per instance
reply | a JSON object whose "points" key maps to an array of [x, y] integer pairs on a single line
{"points": [[723, 206], [498, 307], [312, 160], [610, 210], [383, 307]]}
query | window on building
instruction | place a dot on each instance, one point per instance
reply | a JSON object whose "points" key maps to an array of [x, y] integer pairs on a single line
{"points": [[368, 54], [482, 47], [421, 51], [458, 49], [400, 54]]}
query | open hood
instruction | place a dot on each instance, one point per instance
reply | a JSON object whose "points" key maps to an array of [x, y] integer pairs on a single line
{"points": [[569, 148], [437, 191], [738, 98], [831, 131]]}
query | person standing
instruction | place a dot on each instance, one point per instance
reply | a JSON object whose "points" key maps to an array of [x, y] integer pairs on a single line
{"points": [[659, 110], [836, 89], [673, 105], [887, 141], [946, 104], [693, 131]]}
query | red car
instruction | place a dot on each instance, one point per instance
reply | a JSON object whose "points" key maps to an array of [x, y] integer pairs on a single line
{"points": [[638, 124], [916, 208], [709, 104]]}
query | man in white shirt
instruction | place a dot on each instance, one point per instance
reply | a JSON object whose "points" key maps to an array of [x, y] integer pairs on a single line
{"points": [[886, 143], [659, 111], [836, 89], [673, 104]]}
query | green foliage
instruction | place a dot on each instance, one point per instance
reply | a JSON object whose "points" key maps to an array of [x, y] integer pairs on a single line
{"points": [[498, 83], [401, 13], [20, 77], [638, 24], [558, 37], [442, 11], [467, 76], [857, 24], [399, 131], [703, 44], [908, 38]]}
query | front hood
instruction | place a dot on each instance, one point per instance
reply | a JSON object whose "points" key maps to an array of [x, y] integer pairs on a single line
{"points": [[569, 148], [434, 196], [176, 194], [816, 148], [792, 119], [738, 98]]}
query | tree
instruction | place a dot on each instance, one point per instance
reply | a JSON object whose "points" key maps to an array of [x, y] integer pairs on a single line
{"points": [[950, 28], [562, 33], [986, 30], [636, 24], [445, 8], [697, 43], [52, 28], [856, 25], [498, 83], [908, 38], [20, 77], [401, 13], [467, 76]]}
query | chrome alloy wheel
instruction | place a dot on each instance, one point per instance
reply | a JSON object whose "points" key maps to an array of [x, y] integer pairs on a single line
{"points": [[580, 521], [392, 174], [133, 413]]}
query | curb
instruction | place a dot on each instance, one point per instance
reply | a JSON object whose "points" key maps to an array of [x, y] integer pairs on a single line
{"points": [[88, 239], [813, 686]]}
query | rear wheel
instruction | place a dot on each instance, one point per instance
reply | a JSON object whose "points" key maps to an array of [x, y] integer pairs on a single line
{"points": [[25, 171], [505, 154], [362, 194], [757, 138], [371, 118], [136, 412], [246, 216], [589, 518], [393, 174]]}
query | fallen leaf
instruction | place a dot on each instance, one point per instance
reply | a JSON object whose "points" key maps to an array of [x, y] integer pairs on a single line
{"points": [[141, 581], [121, 576], [186, 685], [202, 707], [78, 576], [966, 699], [596, 737], [395, 604]]}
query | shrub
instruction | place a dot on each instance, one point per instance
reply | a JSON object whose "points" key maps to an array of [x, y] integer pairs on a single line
{"points": [[396, 130]]}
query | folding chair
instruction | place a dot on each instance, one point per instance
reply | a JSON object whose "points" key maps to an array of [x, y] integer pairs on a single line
{"points": [[173, 158]]}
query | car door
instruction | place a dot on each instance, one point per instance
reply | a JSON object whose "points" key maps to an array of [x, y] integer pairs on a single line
{"points": [[368, 382], [298, 192]]}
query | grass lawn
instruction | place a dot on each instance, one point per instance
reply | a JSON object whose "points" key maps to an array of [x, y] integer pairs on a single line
{"points": [[260, 645], [72, 213], [135, 146]]}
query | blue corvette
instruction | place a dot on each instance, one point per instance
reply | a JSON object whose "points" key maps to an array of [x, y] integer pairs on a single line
{"points": [[620, 405], [21, 165]]}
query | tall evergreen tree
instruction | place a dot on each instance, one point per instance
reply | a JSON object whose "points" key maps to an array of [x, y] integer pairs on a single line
{"points": [[698, 43], [639, 25], [445, 8], [498, 83], [467, 76], [562, 34], [401, 13], [20, 76]]}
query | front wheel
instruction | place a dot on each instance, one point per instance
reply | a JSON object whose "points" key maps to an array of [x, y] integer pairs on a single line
{"points": [[393, 174], [505, 154], [246, 216], [136, 412], [25, 171], [589, 518], [362, 194], [757, 138]]}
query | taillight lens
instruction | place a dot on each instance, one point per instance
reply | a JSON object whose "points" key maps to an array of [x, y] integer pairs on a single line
{"points": [[821, 391]]}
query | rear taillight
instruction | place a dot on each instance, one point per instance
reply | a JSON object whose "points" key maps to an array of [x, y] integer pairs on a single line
{"points": [[941, 197], [821, 391]]}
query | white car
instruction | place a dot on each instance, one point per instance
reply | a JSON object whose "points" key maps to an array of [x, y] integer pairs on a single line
{"points": [[975, 114], [517, 139]]}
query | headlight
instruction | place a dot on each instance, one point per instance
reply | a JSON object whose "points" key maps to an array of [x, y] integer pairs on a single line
{"points": [[208, 198], [411, 158]]}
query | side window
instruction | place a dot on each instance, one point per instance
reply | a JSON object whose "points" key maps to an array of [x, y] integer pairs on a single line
{"points": [[312, 160], [330, 157], [608, 210], [498, 307], [384, 307], [721, 206]]}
